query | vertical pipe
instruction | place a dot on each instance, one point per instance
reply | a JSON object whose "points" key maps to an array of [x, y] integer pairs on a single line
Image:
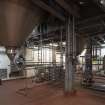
{"points": [[41, 48], [41, 31], [53, 61], [100, 56], [74, 48], [61, 48]]}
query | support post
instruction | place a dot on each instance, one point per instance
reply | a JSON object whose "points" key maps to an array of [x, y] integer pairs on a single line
{"points": [[53, 61], [61, 49], [87, 81], [69, 72]]}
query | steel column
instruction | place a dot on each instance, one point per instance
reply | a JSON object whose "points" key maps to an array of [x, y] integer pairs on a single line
{"points": [[69, 72]]}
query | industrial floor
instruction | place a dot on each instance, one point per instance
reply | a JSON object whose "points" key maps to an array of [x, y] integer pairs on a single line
{"points": [[13, 93]]}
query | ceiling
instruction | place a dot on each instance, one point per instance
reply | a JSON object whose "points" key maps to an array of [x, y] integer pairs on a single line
{"points": [[89, 19]]}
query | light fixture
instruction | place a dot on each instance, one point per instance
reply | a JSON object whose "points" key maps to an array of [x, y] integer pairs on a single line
{"points": [[64, 43], [102, 2], [81, 2]]}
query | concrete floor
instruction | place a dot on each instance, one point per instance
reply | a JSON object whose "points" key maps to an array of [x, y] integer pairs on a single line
{"points": [[43, 94]]}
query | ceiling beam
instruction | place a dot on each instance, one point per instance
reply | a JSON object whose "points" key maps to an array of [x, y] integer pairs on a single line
{"points": [[71, 9], [49, 9], [99, 43], [97, 34], [101, 38], [85, 27], [92, 19]]}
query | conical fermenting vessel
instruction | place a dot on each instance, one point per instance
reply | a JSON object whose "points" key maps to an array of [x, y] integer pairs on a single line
{"points": [[17, 20]]}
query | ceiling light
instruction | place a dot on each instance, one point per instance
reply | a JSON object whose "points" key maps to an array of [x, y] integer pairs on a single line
{"points": [[102, 2], [81, 2]]}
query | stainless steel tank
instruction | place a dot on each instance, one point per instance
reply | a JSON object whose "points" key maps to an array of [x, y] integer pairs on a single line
{"points": [[17, 20]]}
